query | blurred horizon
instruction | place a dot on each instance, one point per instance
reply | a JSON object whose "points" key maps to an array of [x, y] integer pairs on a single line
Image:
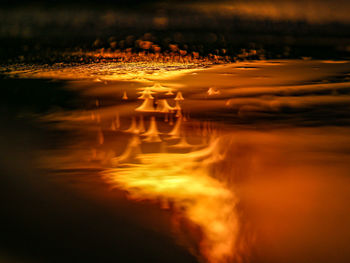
{"points": [[274, 29]]}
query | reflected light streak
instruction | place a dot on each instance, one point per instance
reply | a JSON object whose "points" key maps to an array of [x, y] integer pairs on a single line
{"points": [[183, 181]]}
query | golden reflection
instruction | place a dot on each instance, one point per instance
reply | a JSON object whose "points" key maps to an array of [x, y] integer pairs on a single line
{"points": [[183, 181]]}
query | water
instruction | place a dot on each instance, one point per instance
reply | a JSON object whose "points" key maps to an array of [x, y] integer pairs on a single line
{"points": [[251, 166]]}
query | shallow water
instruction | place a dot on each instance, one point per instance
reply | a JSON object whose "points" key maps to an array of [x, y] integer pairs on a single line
{"points": [[251, 166]]}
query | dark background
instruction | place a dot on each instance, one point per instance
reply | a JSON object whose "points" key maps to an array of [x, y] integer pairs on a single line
{"points": [[40, 31]]}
